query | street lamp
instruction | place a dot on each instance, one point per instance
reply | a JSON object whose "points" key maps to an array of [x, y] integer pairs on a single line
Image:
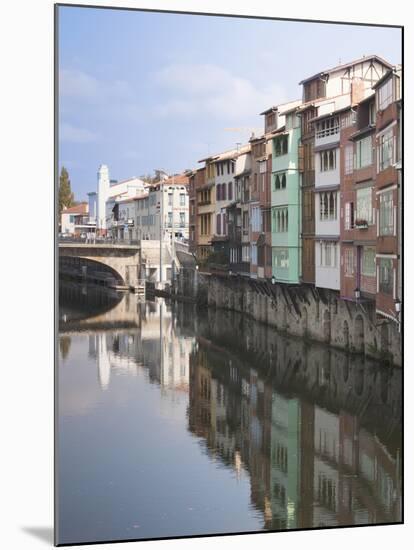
{"points": [[397, 304], [273, 280], [357, 294]]}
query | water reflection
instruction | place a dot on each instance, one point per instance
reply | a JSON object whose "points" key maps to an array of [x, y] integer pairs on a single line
{"points": [[298, 435]]}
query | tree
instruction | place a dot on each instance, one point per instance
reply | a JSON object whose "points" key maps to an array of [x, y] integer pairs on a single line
{"points": [[65, 192]]}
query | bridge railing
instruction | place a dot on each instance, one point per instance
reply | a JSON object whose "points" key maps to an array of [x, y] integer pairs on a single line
{"points": [[97, 240]]}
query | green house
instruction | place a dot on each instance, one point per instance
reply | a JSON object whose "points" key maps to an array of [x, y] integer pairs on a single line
{"points": [[286, 202]]}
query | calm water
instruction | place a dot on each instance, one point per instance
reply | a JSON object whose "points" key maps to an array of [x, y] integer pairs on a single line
{"points": [[173, 422]]}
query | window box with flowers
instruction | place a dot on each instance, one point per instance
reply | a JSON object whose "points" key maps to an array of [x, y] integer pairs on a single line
{"points": [[361, 224]]}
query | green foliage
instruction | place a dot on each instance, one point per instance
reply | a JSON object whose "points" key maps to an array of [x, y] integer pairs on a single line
{"points": [[66, 197]]}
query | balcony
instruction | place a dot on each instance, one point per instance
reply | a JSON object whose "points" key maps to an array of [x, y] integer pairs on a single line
{"points": [[361, 224], [327, 136]]}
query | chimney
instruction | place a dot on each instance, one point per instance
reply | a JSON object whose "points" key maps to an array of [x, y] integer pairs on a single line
{"points": [[357, 91]]}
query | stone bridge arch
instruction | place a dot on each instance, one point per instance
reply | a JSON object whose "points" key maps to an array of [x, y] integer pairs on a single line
{"points": [[124, 261]]}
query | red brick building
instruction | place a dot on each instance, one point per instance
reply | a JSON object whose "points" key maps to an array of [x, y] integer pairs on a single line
{"points": [[358, 216], [387, 189]]}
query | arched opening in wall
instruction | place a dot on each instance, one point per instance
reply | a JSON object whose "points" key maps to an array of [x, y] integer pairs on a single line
{"points": [[385, 343], [359, 380], [359, 334], [345, 369], [346, 335], [284, 317], [327, 326], [384, 382], [304, 321]]}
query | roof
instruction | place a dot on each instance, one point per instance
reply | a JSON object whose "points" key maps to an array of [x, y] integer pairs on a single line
{"points": [[126, 181], [277, 107], [81, 208], [179, 179], [384, 78], [332, 113], [269, 110], [345, 66], [362, 132]]}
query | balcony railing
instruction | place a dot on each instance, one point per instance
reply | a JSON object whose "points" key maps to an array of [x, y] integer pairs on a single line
{"points": [[327, 132]]}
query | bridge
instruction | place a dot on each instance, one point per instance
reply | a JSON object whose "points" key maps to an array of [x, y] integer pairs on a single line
{"points": [[122, 260]]}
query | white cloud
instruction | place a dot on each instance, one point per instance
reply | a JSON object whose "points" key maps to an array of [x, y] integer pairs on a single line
{"points": [[67, 132], [210, 89], [78, 84]]}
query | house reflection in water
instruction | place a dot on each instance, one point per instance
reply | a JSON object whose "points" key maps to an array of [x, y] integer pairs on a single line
{"points": [[308, 437], [156, 344]]}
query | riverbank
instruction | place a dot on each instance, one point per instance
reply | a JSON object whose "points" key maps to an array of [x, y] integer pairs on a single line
{"points": [[299, 310]]}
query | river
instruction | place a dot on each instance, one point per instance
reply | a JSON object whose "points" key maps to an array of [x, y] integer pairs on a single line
{"points": [[172, 422]]}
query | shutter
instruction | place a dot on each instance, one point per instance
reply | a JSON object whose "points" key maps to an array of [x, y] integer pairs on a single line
{"points": [[218, 224], [300, 158]]}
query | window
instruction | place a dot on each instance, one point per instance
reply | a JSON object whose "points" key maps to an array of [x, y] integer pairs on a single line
{"points": [[71, 219], [327, 254], [368, 261], [363, 152], [170, 199], [254, 254], [349, 262], [386, 218], [281, 258], [280, 181], [385, 275], [327, 160], [230, 191], [223, 191], [170, 219], [280, 220], [385, 150], [205, 224], [246, 253], [385, 95], [245, 221], [328, 208], [372, 114], [349, 215], [182, 199], [218, 224], [349, 159], [364, 206], [182, 219], [281, 146]]}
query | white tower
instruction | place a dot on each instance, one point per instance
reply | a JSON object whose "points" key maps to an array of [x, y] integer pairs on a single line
{"points": [[103, 194]]}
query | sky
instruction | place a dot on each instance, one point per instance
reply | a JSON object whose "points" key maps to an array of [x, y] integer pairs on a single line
{"points": [[142, 91]]}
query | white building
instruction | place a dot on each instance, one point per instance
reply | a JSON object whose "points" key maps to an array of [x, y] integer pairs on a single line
{"points": [[110, 189], [327, 202], [74, 219]]}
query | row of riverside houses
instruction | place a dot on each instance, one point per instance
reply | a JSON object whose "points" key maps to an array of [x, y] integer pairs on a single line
{"points": [[316, 199]]}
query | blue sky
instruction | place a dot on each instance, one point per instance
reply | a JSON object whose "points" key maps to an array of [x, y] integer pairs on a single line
{"points": [[140, 90]]}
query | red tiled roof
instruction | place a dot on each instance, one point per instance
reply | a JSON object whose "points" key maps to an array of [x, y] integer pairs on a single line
{"points": [[180, 179], [81, 208]]}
